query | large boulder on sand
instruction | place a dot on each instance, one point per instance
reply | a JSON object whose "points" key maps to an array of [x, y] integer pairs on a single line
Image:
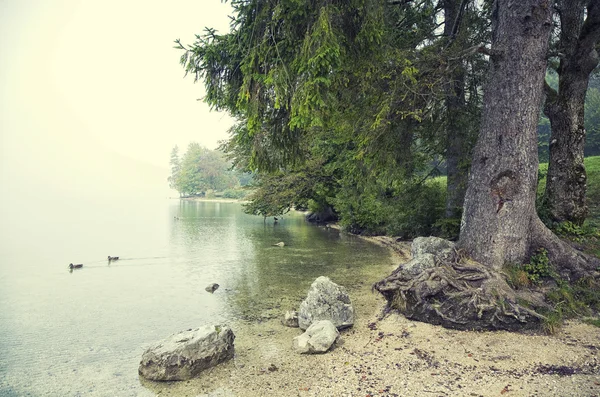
{"points": [[418, 264], [424, 251], [318, 338], [185, 354], [326, 301]]}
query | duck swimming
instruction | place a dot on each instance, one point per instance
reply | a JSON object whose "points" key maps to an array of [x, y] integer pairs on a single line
{"points": [[77, 266], [113, 258]]}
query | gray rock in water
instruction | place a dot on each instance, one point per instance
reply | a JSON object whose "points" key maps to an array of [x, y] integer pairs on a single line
{"points": [[326, 301], [418, 264], [185, 354], [290, 319], [212, 287], [430, 245], [318, 338]]}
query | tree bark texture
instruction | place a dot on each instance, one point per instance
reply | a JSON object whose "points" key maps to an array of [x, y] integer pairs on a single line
{"points": [[457, 150], [500, 202], [565, 193]]}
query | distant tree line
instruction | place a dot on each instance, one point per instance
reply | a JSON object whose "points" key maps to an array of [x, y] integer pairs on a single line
{"points": [[201, 170]]}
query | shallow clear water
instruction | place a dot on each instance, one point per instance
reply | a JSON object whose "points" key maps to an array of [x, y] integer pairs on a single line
{"points": [[83, 332]]}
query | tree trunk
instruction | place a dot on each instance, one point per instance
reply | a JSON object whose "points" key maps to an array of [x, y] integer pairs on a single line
{"points": [[457, 152], [500, 201], [500, 224], [566, 180]]}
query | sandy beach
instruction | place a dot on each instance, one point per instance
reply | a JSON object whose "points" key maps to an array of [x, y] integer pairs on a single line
{"points": [[394, 356]]}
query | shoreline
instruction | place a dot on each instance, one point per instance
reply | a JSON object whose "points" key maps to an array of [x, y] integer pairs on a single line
{"points": [[395, 356], [211, 200]]}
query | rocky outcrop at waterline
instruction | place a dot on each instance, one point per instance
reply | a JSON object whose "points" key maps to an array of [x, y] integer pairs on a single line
{"points": [[186, 354], [326, 301]]}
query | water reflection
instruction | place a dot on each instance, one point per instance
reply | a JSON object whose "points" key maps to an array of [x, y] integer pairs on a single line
{"points": [[83, 332]]}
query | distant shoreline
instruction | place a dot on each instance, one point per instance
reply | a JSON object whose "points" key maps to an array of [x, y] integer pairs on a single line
{"points": [[214, 200]]}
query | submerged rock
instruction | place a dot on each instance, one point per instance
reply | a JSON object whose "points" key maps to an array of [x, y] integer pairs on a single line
{"points": [[290, 319], [326, 301], [185, 354], [318, 338]]}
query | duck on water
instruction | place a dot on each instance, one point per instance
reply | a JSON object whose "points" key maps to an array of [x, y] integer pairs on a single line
{"points": [[113, 258], [77, 266]]}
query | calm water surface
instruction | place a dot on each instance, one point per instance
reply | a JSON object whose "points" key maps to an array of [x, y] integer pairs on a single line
{"points": [[83, 333]]}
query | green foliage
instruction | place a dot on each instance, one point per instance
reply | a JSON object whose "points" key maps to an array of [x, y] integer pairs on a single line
{"points": [[199, 171], [572, 300], [517, 277], [237, 194], [356, 86], [532, 273], [538, 267], [276, 194], [175, 163], [448, 228], [407, 210], [592, 321]]}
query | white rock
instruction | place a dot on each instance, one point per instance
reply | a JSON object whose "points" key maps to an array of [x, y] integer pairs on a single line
{"points": [[185, 354], [318, 338], [326, 301]]}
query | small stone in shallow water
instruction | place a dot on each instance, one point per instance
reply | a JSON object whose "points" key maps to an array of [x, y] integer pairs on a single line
{"points": [[211, 287], [290, 319]]}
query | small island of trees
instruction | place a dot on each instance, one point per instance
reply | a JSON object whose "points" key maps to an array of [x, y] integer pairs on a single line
{"points": [[201, 172]]}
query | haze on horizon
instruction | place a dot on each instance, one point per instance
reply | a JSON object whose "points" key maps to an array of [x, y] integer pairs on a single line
{"points": [[92, 96]]}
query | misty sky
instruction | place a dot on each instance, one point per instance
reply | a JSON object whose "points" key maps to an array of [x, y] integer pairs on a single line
{"points": [[92, 93]]}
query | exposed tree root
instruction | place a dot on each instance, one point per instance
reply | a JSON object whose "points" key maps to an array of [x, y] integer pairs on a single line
{"points": [[459, 294], [570, 263]]}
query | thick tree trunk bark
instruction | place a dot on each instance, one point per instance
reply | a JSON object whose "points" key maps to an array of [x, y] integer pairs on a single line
{"points": [[500, 201], [499, 223], [566, 181], [457, 150]]}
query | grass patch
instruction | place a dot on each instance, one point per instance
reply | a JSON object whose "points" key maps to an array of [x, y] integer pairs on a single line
{"points": [[592, 321]]}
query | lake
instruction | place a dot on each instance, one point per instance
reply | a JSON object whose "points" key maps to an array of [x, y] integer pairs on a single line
{"points": [[83, 332]]}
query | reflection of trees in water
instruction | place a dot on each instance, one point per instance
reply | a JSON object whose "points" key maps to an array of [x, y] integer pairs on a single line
{"points": [[259, 280], [279, 278]]}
